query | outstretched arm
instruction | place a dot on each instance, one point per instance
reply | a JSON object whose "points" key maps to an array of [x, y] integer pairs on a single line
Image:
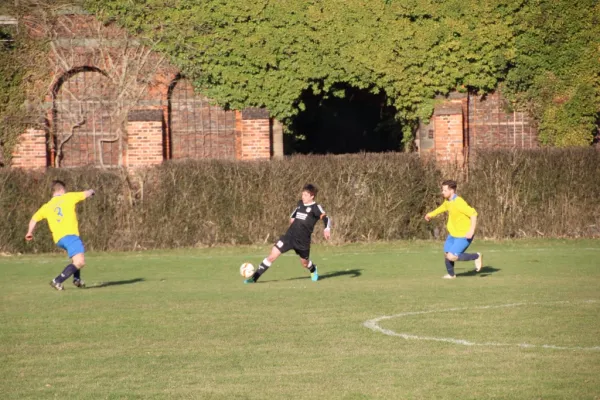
{"points": [[89, 193], [29, 235], [436, 212], [327, 230]]}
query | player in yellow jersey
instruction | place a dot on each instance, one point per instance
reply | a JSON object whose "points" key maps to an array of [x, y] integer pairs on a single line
{"points": [[462, 220], [62, 221]]}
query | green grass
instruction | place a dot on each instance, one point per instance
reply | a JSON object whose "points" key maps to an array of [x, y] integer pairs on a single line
{"points": [[181, 325]]}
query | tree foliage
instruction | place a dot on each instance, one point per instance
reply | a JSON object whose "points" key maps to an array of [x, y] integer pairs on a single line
{"points": [[555, 74], [267, 53]]}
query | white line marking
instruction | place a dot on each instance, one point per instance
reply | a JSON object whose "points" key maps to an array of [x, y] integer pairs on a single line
{"points": [[373, 324]]}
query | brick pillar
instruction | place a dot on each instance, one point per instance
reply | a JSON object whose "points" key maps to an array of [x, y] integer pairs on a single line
{"points": [[448, 134], [30, 152], [238, 135], [255, 134], [144, 138], [277, 136]]}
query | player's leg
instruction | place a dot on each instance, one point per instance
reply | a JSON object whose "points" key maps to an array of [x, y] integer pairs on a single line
{"points": [[459, 248], [449, 258], [266, 263], [280, 247], [79, 262], [75, 250], [304, 255]]}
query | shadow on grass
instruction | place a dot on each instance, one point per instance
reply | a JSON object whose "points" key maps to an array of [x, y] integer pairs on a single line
{"points": [[485, 271], [115, 283], [355, 273]]}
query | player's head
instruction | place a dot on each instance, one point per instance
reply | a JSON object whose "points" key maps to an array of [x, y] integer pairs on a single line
{"points": [[448, 188], [309, 191], [58, 187]]}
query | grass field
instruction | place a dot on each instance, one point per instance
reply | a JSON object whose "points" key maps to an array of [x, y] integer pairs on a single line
{"points": [[181, 325]]}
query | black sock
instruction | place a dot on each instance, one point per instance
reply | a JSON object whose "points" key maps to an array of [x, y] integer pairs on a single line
{"points": [[67, 272], [449, 267], [77, 275], [262, 268], [311, 267], [468, 256]]}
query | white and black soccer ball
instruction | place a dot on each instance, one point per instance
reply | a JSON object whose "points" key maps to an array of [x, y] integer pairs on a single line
{"points": [[247, 270]]}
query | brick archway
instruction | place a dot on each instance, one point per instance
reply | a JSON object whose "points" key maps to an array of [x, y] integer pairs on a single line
{"points": [[85, 127], [198, 129]]}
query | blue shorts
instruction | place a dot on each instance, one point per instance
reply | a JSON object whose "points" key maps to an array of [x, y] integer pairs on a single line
{"points": [[456, 245], [72, 244]]}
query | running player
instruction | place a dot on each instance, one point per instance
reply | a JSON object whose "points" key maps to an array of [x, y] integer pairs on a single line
{"points": [[462, 220]]}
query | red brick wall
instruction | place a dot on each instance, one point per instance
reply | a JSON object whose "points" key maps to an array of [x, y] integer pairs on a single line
{"points": [[255, 134], [492, 125], [449, 141], [87, 59], [145, 138], [465, 123], [30, 152], [199, 129], [238, 135], [256, 141]]}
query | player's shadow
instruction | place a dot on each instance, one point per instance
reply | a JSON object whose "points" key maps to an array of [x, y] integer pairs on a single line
{"points": [[485, 271], [354, 273], [115, 283]]}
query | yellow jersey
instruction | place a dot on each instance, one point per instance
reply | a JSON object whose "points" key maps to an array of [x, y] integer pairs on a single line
{"points": [[459, 215], [61, 216]]}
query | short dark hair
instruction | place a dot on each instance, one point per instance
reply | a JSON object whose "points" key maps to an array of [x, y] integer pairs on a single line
{"points": [[450, 183], [57, 185], [310, 188]]}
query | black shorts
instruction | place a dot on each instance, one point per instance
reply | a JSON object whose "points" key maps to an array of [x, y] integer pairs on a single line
{"points": [[288, 242]]}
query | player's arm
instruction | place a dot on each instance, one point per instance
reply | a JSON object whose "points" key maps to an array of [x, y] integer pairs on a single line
{"points": [[38, 216], [471, 232], [472, 214], [76, 197], [293, 215], [327, 222], [441, 209]]}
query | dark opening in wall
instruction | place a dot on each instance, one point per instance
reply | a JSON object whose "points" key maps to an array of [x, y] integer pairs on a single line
{"points": [[359, 121]]}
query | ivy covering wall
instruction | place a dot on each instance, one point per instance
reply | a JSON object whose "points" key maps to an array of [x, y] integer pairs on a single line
{"points": [[544, 54]]}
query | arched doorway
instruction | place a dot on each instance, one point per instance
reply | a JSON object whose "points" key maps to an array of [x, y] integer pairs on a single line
{"points": [[197, 128], [358, 121], [86, 128]]}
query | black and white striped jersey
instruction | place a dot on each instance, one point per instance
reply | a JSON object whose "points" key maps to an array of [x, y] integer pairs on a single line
{"points": [[305, 217]]}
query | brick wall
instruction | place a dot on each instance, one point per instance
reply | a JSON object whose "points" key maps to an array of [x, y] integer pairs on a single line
{"points": [[449, 138], [30, 152], [87, 60], [87, 52], [199, 129], [145, 138], [492, 125], [484, 123], [255, 134]]}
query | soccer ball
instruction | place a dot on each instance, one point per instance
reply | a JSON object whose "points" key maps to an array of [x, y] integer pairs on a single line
{"points": [[247, 270]]}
